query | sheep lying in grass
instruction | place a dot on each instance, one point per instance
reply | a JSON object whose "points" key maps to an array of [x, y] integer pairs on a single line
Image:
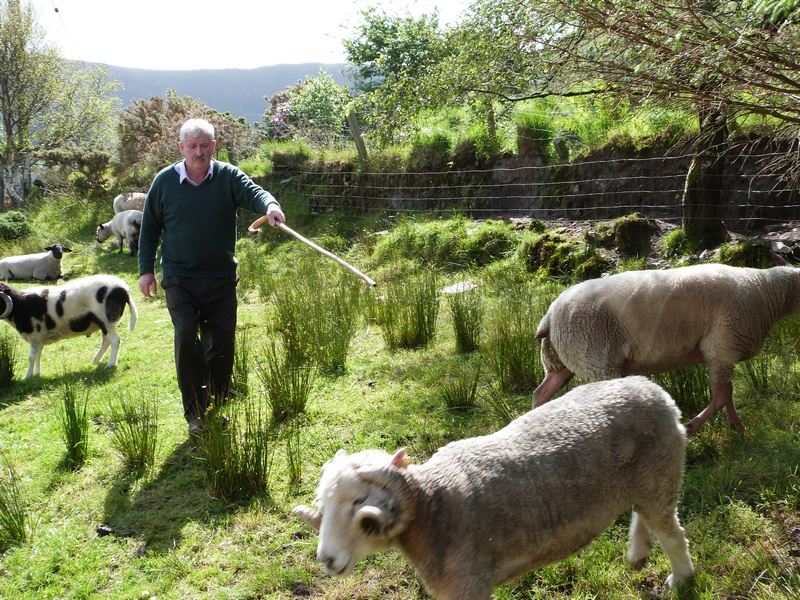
{"points": [[485, 510], [43, 315], [43, 266], [129, 201], [124, 226], [646, 322]]}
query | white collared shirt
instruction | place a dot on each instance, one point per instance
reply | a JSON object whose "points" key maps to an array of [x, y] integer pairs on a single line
{"points": [[180, 167]]}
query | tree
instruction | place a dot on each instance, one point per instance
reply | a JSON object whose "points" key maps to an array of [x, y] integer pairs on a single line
{"points": [[46, 104], [385, 47], [314, 109]]}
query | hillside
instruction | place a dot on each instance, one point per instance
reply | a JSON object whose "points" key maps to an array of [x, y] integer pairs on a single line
{"points": [[240, 92]]}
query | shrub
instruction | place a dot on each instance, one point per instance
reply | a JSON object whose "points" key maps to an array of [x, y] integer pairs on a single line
{"points": [[430, 152], [14, 226]]}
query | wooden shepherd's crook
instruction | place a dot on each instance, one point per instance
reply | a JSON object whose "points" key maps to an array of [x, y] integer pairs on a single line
{"points": [[254, 228]]}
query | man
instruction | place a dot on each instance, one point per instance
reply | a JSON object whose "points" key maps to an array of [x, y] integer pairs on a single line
{"points": [[191, 211]]}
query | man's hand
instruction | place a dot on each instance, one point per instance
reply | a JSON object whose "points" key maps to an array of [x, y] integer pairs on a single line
{"points": [[275, 215], [148, 285]]}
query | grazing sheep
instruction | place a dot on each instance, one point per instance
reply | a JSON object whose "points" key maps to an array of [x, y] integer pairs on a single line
{"points": [[646, 322], [124, 226], [484, 510], [43, 315], [129, 201], [44, 266]]}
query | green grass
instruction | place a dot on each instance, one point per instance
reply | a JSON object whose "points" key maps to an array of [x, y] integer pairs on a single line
{"points": [[172, 536]]}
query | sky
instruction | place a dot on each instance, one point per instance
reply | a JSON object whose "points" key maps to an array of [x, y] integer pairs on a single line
{"points": [[218, 34]]}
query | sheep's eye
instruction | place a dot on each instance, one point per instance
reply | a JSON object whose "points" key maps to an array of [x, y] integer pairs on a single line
{"points": [[359, 501]]}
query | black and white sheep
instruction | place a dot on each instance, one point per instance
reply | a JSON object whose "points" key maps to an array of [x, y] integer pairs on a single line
{"points": [[484, 510], [43, 315], [43, 266], [646, 322], [129, 201], [124, 226]]}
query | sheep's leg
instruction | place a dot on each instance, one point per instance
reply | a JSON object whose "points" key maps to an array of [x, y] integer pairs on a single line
{"points": [[552, 382], [640, 540], [721, 395], [112, 359], [104, 344], [670, 535], [34, 360]]}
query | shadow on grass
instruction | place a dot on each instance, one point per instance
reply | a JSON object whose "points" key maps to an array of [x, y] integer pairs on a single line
{"points": [[158, 511], [20, 389]]}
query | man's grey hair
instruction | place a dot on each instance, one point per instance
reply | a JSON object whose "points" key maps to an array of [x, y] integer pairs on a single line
{"points": [[195, 128]]}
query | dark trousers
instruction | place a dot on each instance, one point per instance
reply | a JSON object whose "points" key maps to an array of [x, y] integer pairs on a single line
{"points": [[203, 313]]}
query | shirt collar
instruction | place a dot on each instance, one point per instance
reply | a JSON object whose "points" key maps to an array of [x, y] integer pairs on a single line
{"points": [[180, 167]]}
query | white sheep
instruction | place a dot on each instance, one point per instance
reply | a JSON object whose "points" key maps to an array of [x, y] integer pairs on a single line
{"points": [[43, 315], [124, 226], [485, 510], [129, 201], [646, 322], [44, 266]]}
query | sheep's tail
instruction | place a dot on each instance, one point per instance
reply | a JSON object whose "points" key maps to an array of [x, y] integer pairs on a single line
{"points": [[134, 313], [543, 330]]}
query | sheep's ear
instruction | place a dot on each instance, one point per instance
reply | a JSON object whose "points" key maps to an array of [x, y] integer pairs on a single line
{"points": [[371, 520], [778, 259], [67, 249], [400, 460]]}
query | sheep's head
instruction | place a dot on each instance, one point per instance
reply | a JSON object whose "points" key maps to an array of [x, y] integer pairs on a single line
{"points": [[103, 232], [363, 502], [58, 250]]}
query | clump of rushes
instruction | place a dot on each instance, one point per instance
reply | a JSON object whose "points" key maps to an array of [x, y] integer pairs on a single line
{"points": [[689, 387], [467, 309], [14, 519], [134, 433], [287, 385], [240, 377], [8, 355], [461, 392], [237, 451], [512, 349], [408, 310], [73, 420]]}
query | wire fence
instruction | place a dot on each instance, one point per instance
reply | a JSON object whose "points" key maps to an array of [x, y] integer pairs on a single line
{"points": [[750, 194]]}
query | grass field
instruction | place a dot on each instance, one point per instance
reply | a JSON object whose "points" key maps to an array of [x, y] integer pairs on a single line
{"points": [[105, 530]]}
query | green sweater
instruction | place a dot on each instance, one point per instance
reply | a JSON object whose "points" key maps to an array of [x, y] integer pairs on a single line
{"points": [[196, 225]]}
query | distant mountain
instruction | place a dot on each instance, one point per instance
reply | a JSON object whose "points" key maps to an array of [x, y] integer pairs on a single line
{"points": [[237, 91]]}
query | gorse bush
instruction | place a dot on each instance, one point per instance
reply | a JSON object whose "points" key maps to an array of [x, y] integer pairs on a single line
{"points": [[14, 225]]}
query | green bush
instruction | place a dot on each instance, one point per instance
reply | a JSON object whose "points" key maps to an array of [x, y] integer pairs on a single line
{"points": [[14, 226]]}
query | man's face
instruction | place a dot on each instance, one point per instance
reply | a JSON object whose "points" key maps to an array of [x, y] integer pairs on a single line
{"points": [[198, 151]]}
